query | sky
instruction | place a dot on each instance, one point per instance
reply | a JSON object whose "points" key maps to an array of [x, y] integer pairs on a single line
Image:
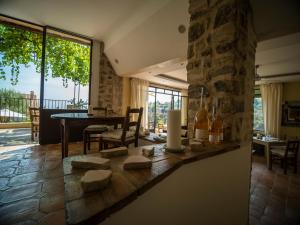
{"points": [[29, 80]]}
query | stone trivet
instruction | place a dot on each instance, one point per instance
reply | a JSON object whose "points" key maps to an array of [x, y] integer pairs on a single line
{"points": [[91, 162], [137, 162], [95, 180], [148, 151], [114, 152]]}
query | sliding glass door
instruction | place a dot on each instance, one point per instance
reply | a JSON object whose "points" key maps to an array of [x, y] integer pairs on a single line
{"points": [[44, 67], [161, 100], [67, 71]]}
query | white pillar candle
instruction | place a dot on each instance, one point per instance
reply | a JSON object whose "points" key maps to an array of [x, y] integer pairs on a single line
{"points": [[174, 129]]}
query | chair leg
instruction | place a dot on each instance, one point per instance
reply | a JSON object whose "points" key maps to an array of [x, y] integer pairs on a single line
{"points": [[271, 160], [295, 165], [285, 166], [136, 143], [84, 143], [105, 145], [281, 163], [100, 144], [89, 141], [32, 137]]}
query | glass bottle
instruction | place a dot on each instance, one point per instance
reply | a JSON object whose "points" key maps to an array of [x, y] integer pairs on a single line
{"points": [[212, 133], [219, 127], [216, 127], [201, 122]]}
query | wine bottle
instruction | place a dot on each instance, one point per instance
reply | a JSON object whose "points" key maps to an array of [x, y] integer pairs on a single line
{"points": [[201, 122], [212, 132], [219, 127], [216, 127]]}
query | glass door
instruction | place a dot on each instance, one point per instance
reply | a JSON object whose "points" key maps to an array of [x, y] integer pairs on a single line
{"points": [[67, 71], [65, 81]]}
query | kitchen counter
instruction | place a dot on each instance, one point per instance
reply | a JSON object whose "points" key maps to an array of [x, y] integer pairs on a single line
{"points": [[125, 185]]}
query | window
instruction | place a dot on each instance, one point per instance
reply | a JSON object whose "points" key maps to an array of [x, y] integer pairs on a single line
{"points": [[66, 83], [258, 118], [159, 102], [62, 83]]}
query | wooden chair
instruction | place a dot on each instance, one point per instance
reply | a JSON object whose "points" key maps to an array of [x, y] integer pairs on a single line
{"points": [[126, 135], [285, 154], [34, 114], [91, 133]]}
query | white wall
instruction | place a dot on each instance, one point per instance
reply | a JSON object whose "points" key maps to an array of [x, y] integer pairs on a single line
{"points": [[210, 191]]}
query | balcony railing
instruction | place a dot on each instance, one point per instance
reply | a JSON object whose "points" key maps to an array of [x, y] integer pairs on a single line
{"points": [[17, 109]]}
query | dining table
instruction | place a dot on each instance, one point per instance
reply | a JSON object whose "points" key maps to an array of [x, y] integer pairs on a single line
{"points": [[268, 142], [69, 120]]}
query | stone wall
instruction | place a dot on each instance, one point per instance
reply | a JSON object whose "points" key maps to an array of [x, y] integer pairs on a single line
{"points": [[221, 55], [110, 84]]}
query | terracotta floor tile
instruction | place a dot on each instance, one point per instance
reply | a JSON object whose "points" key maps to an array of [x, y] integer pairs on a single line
{"points": [[19, 211], [20, 192], [53, 186], [25, 179], [37, 172], [57, 218], [279, 193], [52, 203]]}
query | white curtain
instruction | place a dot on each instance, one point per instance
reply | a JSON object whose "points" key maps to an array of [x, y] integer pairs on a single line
{"points": [[139, 98], [272, 99]]}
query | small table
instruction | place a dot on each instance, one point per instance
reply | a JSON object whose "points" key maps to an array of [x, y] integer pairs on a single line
{"points": [[267, 143], [68, 120]]}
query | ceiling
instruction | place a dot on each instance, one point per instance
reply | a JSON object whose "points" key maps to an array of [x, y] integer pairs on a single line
{"points": [[143, 37]]}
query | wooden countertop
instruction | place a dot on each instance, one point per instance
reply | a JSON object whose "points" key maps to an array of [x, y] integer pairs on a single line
{"points": [[125, 185]]}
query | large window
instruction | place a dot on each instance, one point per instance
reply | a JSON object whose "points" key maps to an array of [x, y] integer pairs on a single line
{"points": [[258, 118], [161, 100], [41, 66], [67, 71]]}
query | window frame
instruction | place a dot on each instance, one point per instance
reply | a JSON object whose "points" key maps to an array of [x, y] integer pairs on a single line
{"points": [[71, 36], [166, 91]]}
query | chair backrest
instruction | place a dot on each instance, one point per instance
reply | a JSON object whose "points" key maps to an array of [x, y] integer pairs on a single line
{"points": [[100, 110], [128, 123], [292, 146], [34, 114]]}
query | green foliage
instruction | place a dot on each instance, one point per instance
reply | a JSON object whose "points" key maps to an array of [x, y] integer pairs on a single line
{"points": [[64, 58], [258, 118], [18, 47], [5, 93]]}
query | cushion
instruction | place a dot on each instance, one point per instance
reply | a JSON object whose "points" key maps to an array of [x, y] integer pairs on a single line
{"points": [[116, 134], [96, 127], [281, 152]]}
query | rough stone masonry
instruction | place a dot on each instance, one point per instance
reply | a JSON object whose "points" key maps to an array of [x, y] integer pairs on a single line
{"points": [[221, 54], [110, 84]]}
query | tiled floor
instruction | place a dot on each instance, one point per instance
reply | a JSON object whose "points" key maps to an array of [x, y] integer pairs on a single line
{"points": [[17, 136], [275, 197], [32, 188]]}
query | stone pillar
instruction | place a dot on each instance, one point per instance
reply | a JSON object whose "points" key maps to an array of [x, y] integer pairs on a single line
{"points": [[95, 73], [110, 84], [221, 53]]}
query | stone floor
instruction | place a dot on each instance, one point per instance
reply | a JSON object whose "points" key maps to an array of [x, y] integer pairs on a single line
{"points": [[17, 136], [275, 197], [32, 188]]}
